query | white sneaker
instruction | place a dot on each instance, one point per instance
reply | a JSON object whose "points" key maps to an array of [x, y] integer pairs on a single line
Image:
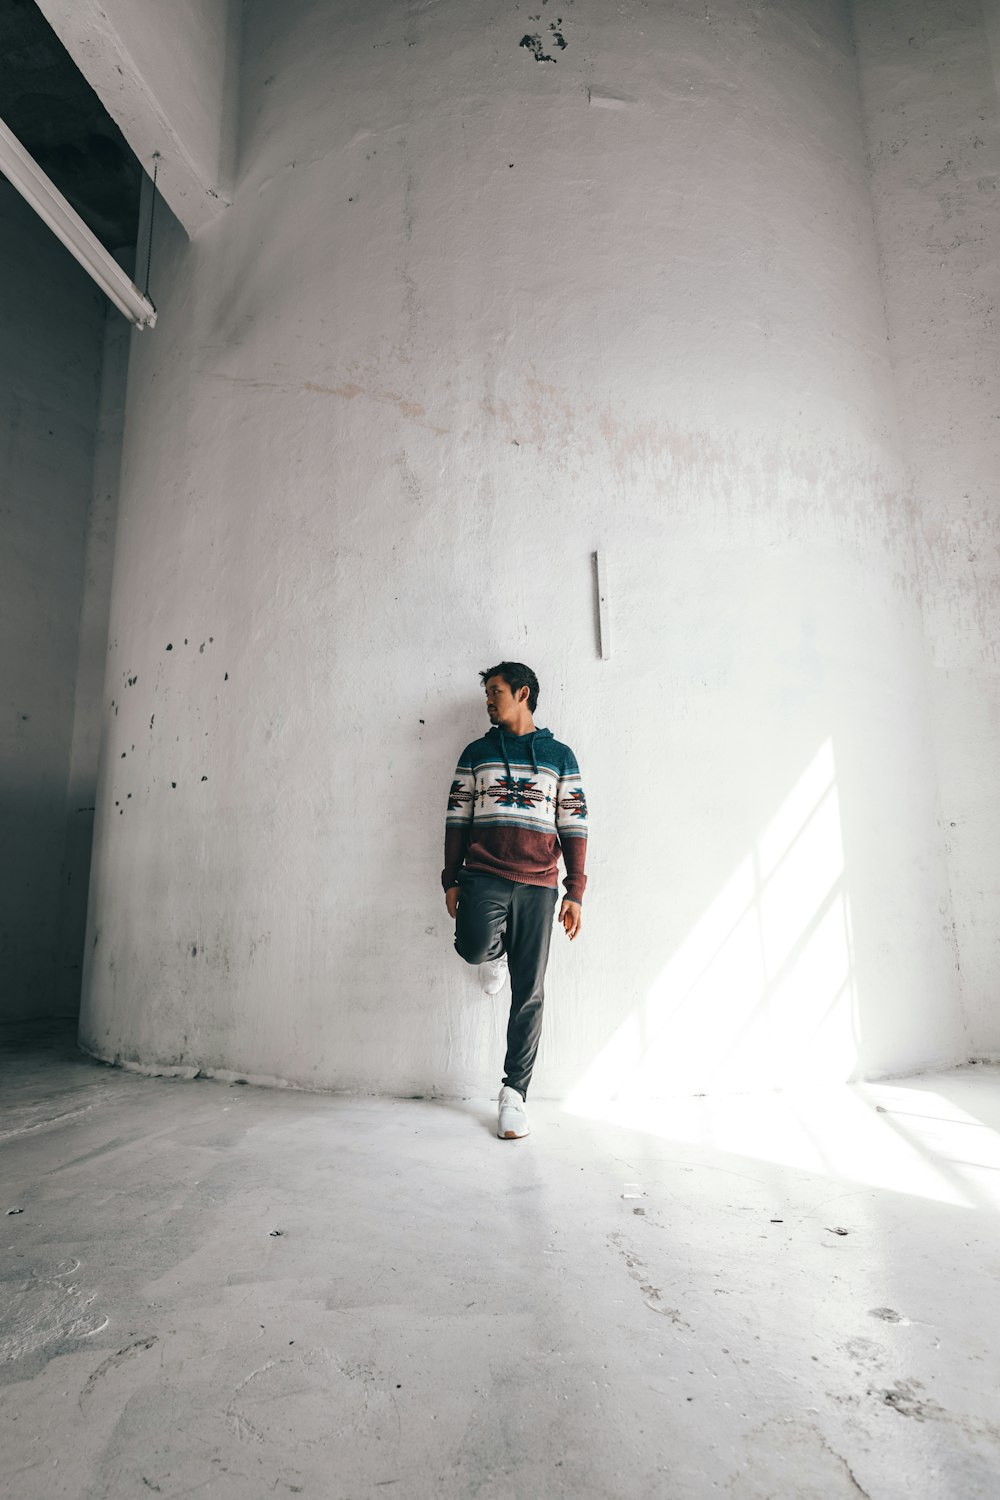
{"points": [[513, 1121], [493, 975]]}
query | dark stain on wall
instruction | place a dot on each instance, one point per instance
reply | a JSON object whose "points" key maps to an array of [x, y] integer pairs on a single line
{"points": [[534, 43], [534, 46], [131, 681]]}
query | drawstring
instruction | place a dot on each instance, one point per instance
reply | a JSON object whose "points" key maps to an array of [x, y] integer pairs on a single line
{"points": [[506, 760]]}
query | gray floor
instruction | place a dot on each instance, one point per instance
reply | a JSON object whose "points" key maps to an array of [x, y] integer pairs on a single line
{"points": [[219, 1290]]}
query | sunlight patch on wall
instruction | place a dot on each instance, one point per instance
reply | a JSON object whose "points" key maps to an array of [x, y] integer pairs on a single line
{"points": [[761, 992]]}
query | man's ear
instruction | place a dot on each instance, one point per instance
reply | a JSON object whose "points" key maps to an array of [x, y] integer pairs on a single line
{"points": [[523, 694]]}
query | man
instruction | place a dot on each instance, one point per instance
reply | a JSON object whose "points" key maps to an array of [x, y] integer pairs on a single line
{"points": [[515, 803]]}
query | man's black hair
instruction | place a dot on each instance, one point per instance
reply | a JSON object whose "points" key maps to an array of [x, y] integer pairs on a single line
{"points": [[516, 675]]}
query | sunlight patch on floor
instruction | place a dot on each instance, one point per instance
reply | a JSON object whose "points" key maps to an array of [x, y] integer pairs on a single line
{"points": [[909, 1138]]}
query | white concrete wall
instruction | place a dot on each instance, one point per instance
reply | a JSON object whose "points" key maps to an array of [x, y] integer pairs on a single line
{"points": [[471, 316], [167, 73], [934, 128], [51, 325]]}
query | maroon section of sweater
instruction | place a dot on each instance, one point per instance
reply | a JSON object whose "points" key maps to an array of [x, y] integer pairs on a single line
{"points": [[518, 854], [574, 852], [456, 839]]}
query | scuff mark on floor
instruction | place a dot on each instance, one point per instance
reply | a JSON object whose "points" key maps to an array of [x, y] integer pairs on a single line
{"points": [[30, 1125], [800, 1447], [243, 1427], [652, 1295], [119, 1358], [905, 1398], [44, 1311]]}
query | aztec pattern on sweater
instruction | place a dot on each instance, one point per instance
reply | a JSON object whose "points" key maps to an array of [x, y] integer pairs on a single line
{"points": [[516, 801]]}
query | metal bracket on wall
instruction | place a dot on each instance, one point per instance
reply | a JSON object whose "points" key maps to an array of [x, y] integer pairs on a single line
{"points": [[603, 606]]}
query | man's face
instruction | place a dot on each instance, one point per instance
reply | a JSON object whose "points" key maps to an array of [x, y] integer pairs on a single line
{"points": [[501, 704]]}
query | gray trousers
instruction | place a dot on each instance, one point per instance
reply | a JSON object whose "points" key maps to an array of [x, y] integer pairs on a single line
{"points": [[500, 916]]}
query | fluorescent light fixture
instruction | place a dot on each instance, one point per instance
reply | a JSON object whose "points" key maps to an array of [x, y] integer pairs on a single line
{"points": [[23, 173]]}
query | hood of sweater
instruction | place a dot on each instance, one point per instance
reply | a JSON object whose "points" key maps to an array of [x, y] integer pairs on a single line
{"points": [[515, 742]]}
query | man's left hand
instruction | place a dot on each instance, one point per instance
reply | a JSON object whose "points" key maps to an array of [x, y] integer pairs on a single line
{"points": [[570, 916]]}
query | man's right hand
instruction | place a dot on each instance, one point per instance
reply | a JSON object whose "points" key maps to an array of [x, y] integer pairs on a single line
{"points": [[451, 901]]}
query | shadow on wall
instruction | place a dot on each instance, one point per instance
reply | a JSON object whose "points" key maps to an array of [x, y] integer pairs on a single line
{"points": [[764, 981], [33, 962]]}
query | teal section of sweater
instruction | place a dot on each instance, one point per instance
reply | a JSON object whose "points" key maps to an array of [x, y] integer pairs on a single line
{"points": [[538, 750]]}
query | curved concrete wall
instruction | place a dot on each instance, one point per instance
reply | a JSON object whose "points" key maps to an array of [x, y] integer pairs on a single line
{"points": [[471, 316], [929, 74]]}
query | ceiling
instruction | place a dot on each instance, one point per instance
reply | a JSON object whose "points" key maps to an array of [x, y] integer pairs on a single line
{"points": [[55, 114]]}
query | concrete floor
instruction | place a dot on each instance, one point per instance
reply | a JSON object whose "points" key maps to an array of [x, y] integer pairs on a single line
{"points": [[217, 1290]]}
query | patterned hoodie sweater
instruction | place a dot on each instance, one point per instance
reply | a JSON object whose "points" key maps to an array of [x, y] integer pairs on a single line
{"points": [[515, 802]]}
